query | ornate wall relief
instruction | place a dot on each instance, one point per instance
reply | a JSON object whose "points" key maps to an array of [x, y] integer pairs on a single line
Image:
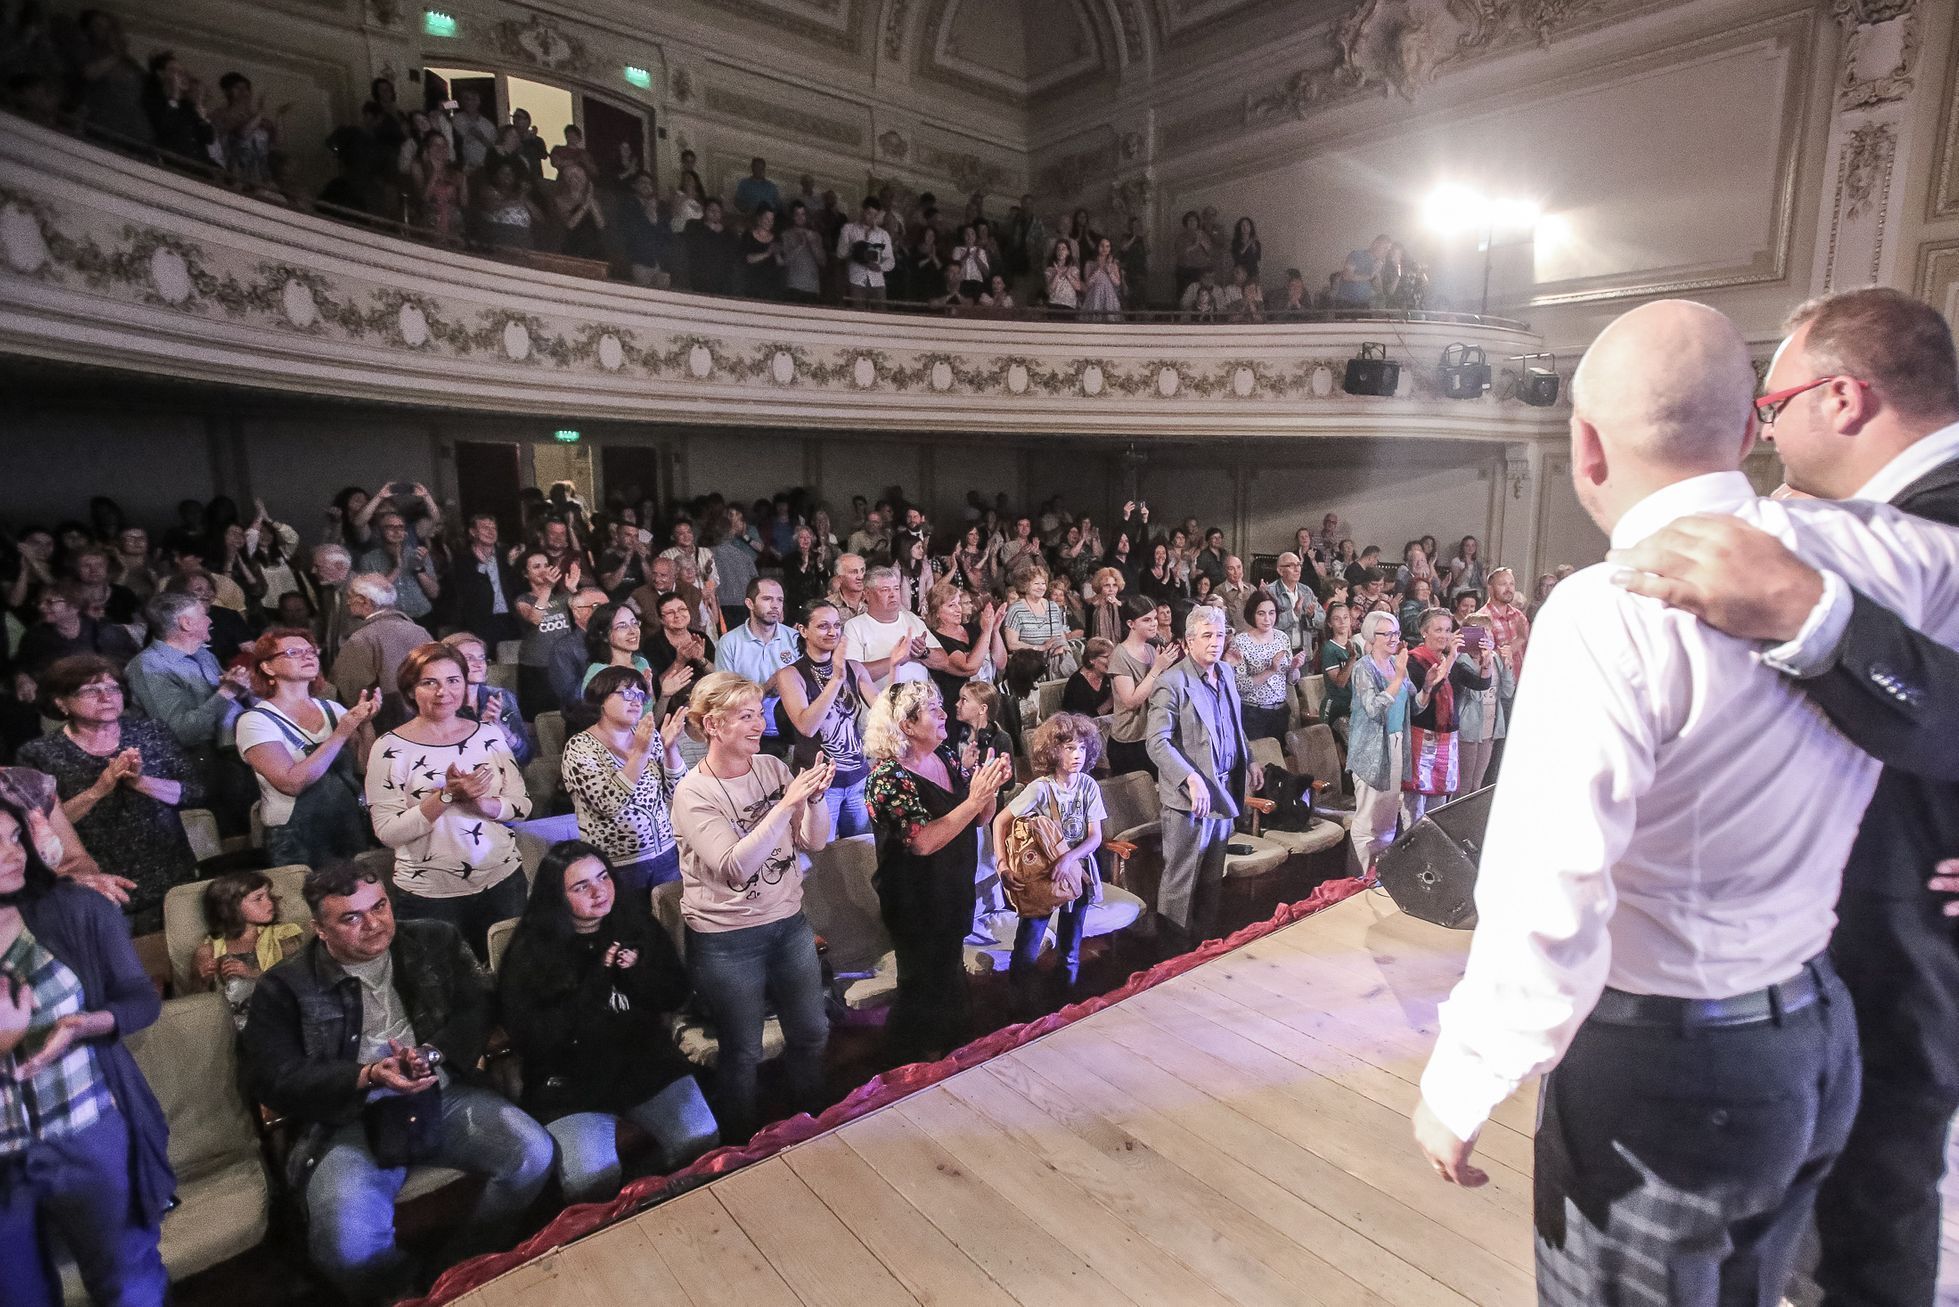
{"points": [[1876, 80]]}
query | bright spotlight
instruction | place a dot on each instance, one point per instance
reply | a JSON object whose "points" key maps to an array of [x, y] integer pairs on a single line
{"points": [[1515, 214], [1452, 209]]}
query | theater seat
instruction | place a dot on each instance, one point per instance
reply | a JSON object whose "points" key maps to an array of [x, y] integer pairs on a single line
{"points": [[692, 1034], [224, 1197], [536, 836], [842, 905]]}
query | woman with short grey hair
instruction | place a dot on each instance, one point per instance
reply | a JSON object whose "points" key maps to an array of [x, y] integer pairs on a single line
{"points": [[1377, 725]]}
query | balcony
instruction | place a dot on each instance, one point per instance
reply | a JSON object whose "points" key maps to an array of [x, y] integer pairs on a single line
{"points": [[114, 262]]}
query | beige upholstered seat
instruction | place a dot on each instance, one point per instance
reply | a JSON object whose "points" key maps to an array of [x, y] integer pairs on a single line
{"points": [[550, 728], [691, 1034], [841, 903], [1047, 699], [536, 836], [496, 941]]}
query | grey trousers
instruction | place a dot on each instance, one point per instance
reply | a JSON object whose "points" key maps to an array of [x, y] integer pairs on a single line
{"points": [[1193, 870]]}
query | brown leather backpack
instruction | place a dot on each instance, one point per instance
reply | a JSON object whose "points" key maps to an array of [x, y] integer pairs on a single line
{"points": [[1027, 864]]}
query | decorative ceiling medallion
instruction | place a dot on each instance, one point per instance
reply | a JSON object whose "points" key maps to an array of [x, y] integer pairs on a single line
{"points": [[413, 325], [700, 362], [612, 354], [1092, 380], [863, 373], [296, 298], [782, 367], [1017, 378]]}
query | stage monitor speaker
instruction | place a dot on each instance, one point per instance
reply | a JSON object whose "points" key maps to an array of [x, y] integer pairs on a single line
{"points": [[1430, 872], [1371, 372]]}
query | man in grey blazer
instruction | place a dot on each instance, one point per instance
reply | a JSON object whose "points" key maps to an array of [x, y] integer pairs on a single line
{"points": [[1196, 738]]}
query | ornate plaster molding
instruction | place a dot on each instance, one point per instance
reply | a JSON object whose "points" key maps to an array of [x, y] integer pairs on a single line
{"points": [[1880, 51]]}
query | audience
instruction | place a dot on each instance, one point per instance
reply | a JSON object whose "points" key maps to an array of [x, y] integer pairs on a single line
{"points": [[621, 773], [1062, 753], [249, 938], [374, 647], [297, 744]]}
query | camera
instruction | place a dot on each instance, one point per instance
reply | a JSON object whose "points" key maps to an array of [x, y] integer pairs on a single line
{"points": [[421, 1062], [867, 253]]}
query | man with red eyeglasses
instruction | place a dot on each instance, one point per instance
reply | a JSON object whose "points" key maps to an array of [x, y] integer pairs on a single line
{"points": [[1862, 403]]}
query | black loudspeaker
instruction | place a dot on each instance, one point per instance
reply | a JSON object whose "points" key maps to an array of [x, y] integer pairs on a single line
{"points": [[1371, 372], [1430, 872]]}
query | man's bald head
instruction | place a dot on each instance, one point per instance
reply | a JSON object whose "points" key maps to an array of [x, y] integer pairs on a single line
{"points": [[1669, 385]]}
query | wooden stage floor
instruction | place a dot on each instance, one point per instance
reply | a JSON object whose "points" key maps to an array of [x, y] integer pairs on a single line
{"points": [[1238, 1134]]}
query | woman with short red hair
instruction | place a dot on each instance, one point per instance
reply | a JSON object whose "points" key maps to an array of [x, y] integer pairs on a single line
{"points": [[295, 741]]}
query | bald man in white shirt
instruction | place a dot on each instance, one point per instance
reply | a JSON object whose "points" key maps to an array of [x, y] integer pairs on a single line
{"points": [[1661, 864]]}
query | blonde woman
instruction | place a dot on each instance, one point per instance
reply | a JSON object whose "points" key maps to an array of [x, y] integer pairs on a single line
{"points": [[740, 819], [927, 815]]}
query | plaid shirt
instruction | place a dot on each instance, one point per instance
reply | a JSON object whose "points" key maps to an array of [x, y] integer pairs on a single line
{"points": [[67, 1096], [1509, 625]]}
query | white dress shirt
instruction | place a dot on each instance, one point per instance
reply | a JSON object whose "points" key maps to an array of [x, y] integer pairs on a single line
{"points": [[1673, 817], [1815, 646]]}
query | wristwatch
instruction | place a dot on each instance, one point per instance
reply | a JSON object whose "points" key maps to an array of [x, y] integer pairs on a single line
{"points": [[447, 798]]}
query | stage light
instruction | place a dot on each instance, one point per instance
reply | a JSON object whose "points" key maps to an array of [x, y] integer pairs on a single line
{"points": [[1371, 372], [437, 23], [1538, 386], [1464, 373], [1451, 209]]}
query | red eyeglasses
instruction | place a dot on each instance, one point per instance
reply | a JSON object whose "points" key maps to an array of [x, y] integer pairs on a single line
{"points": [[1769, 407]]}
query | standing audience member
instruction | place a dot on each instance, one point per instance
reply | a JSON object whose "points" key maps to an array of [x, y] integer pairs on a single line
{"points": [[178, 681], [741, 819], [480, 587], [122, 781], [1062, 753], [585, 987], [1135, 666], [373, 651], [1089, 692], [821, 694], [309, 794], [1483, 716], [1300, 615], [495, 705], [84, 1152], [569, 656], [612, 640], [682, 655], [759, 646], [1266, 667], [1442, 674], [928, 816], [443, 792], [1377, 735], [864, 249], [1338, 654], [1204, 773], [888, 642], [621, 773], [1509, 625], [342, 1028]]}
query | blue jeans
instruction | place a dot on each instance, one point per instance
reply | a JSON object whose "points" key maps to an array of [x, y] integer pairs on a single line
{"points": [[849, 813], [76, 1187], [1068, 923], [472, 914], [350, 1200], [737, 974], [588, 1142]]}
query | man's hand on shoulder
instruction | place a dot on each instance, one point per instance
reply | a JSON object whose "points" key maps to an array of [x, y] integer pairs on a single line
{"points": [[1735, 577]]}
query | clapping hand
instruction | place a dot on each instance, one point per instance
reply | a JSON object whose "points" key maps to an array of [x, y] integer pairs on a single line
{"points": [[555, 575], [992, 776], [66, 1032], [126, 768], [811, 782], [232, 967], [620, 956], [969, 755], [238, 679], [677, 675], [571, 575], [40, 833], [1436, 674], [643, 732], [16, 1010], [362, 709], [675, 725], [1401, 663]]}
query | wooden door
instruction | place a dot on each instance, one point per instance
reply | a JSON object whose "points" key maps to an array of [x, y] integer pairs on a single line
{"points": [[489, 479]]}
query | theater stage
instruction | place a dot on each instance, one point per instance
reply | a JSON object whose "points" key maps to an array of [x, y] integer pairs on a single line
{"points": [[1236, 1134]]}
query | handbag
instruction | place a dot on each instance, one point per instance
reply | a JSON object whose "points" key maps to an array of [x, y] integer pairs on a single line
{"points": [[1027, 865], [404, 1129]]}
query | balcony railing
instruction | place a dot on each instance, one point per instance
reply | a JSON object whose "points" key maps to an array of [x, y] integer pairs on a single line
{"points": [[112, 260]]}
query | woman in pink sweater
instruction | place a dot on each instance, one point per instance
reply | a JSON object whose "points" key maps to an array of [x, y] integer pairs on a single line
{"points": [[740, 819]]}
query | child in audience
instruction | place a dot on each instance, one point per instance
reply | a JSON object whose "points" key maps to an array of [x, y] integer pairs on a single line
{"points": [[250, 938], [1063, 749], [979, 733]]}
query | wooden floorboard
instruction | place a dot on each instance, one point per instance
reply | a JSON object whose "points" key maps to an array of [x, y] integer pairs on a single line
{"points": [[1236, 1135]]}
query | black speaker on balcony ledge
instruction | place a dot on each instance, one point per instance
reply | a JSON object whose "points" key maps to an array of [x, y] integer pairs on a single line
{"points": [[1371, 372], [1464, 373]]}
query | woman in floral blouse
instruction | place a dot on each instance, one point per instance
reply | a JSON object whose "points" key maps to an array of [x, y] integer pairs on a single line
{"points": [[927, 815]]}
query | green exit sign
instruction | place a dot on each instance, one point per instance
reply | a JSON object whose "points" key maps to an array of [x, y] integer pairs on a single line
{"points": [[437, 23], [567, 436], [636, 76]]}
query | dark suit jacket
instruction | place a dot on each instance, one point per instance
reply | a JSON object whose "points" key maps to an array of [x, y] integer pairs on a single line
{"points": [[471, 596], [1895, 693], [1182, 735]]}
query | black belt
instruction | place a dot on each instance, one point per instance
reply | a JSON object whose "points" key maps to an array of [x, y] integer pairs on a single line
{"points": [[1618, 1008]]}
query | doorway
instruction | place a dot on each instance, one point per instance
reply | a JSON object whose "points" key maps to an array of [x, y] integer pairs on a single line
{"points": [[490, 479], [608, 129]]}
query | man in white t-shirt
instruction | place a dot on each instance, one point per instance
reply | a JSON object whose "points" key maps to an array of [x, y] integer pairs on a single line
{"points": [[888, 640]]}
